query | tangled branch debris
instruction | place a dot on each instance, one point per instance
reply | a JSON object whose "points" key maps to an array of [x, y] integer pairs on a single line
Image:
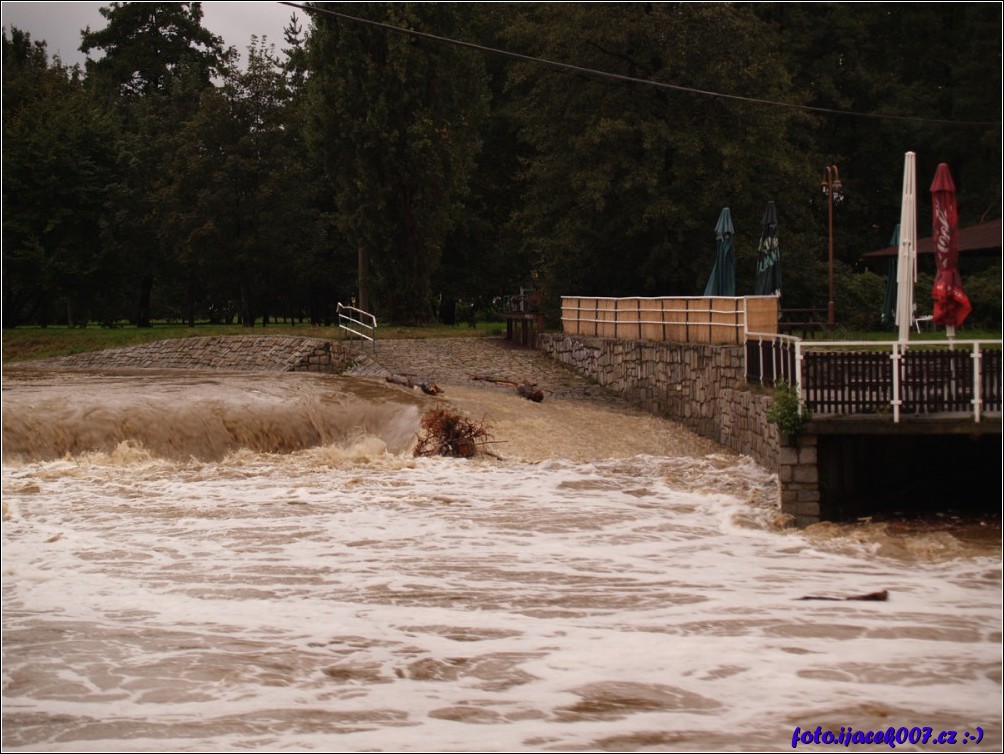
{"points": [[447, 433]]}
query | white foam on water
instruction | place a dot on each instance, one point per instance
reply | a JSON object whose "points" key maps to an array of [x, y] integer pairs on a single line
{"points": [[342, 597]]}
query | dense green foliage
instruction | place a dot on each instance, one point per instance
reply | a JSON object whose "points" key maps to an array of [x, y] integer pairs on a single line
{"points": [[397, 121], [624, 182], [57, 171], [173, 178]]}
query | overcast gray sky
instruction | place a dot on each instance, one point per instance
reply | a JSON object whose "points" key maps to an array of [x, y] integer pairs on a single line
{"points": [[60, 24]]}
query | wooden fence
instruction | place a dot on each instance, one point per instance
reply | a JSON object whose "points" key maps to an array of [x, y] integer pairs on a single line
{"points": [[713, 320]]}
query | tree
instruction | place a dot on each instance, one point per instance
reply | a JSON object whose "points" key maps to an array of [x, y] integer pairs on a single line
{"points": [[146, 47], [624, 181], [930, 60], [236, 195], [323, 263], [483, 257], [395, 121], [296, 60], [423, 170], [57, 169], [157, 61]]}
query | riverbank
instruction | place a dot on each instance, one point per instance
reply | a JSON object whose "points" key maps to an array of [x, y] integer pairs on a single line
{"points": [[28, 343], [577, 420]]}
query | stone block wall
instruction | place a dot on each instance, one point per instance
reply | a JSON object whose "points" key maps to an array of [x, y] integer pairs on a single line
{"points": [[682, 381], [798, 474], [744, 426]]}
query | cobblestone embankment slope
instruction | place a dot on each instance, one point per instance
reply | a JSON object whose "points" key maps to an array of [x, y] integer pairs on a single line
{"points": [[480, 362], [239, 353]]}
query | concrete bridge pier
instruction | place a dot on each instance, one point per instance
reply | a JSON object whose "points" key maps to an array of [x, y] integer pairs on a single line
{"points": [[798, 475]]}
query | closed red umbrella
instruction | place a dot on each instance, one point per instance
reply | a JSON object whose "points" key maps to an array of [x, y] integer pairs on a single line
{"points": [[951, 304]]}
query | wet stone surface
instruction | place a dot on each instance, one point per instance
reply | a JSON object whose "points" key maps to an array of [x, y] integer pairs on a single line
{"points": [[458, 361]]}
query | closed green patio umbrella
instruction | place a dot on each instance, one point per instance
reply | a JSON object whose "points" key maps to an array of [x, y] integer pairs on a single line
{"points": [[723, 276], [768, 260], [889, 305]]}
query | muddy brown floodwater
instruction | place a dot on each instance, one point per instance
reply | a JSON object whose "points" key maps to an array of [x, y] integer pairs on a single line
{"points": [[214, 561]]}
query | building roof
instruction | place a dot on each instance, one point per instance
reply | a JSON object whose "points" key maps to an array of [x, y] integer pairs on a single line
{"points": [[984, 238]]}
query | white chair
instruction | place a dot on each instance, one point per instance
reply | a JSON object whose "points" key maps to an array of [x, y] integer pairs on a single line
{"points": [[917, 320]]}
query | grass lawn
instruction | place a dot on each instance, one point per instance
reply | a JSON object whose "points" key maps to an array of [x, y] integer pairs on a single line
{"points": [[25, 343], [839, 334]]}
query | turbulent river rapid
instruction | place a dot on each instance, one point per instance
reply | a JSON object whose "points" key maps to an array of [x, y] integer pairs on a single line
{"points": [[211, 561]]}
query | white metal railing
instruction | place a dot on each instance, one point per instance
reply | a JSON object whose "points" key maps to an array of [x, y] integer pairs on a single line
{"points": [[912, 380], [350, 318], [776, 357]]}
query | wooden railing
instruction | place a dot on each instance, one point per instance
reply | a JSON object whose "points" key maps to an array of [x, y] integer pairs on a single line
{"points": [[881, 377], [713, 320]]}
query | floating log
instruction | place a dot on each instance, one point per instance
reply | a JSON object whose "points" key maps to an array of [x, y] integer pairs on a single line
{"points": [[429, 388], [530, 392], [527, 390], [882, 596]]}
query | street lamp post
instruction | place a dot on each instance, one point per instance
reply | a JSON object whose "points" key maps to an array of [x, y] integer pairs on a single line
{"points": [[834, 191]]}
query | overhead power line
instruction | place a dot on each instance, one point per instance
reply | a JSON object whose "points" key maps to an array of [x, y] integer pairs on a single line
{"points": [[632, 79]]}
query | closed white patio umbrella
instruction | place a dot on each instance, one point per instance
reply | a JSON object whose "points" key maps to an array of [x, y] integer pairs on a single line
{"points": [[906, 269]]}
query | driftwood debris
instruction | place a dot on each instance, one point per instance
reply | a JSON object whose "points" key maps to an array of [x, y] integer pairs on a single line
{"points": [[429, 388], [530, 392], [527, 390], [882, 596], [447, 433]]}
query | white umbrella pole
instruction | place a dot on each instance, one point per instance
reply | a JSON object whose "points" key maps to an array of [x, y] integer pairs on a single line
{"points": [[906, 270]]}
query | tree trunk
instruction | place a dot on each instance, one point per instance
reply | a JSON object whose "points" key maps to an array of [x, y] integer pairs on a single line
{"points": [[247, 318], [143, 311], [190, 301]]}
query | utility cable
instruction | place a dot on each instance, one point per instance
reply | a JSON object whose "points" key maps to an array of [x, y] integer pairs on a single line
{"points": [[632, 79]]}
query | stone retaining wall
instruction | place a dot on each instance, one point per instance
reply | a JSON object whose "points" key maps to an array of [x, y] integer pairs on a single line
{"points": [[247, 353]]}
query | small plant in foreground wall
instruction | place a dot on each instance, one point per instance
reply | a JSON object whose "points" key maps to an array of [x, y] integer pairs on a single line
{"points": [[785, 411]]}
